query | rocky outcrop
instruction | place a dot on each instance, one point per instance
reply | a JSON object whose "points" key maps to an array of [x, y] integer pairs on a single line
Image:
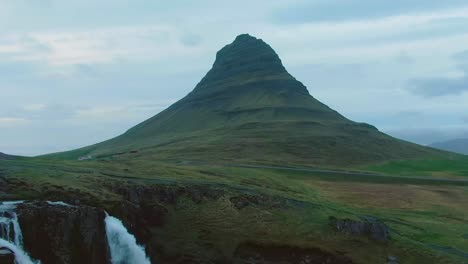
{"points": [[166, 194], [243, 200], [62, 234], [369, 227], [6, 256], [272, 254], [145, 206]]}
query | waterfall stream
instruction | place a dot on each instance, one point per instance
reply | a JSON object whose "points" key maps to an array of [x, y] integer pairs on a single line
{"points": [[11, 236], [123, 246]]}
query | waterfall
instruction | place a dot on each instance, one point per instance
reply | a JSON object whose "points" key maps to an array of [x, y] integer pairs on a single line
{"points": [[123, 246], [11, 236], [20, 256], [10, 229]]}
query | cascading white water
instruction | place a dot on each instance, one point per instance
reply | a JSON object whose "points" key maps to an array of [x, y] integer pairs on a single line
{"points": [[123, 246], [20, 256], [11, 236], [10, 229]]}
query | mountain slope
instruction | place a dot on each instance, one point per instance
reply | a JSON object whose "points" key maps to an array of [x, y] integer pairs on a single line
{"points": [[456, 145], [248, 108], [247, 83], [4, 156]]}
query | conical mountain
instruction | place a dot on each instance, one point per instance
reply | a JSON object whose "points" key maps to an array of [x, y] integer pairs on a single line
{"points": [[247, 83], [248, 108]]}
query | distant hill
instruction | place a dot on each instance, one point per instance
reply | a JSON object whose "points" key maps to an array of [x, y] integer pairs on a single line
{"points": [[4, 156], [456, 145], [247, 109]]}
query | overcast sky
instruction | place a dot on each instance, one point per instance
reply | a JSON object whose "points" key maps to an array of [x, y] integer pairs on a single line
{"points": [[77, 72]]}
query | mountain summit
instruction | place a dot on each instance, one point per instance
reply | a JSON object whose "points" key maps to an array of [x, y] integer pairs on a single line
{"points": [[248, 108], [247, 84], [246, 59]]}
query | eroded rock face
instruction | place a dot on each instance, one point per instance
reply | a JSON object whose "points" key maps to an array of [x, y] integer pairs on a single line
{"points": [[145, 207], [369, 227], [63, 234], [275, 254], [6, 256]]}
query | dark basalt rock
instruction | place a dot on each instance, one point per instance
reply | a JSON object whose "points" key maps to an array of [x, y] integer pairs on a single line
{"points": [[246, 55], [145, 207], [275, 254], [369, 227], [247, 64], [63, 234], [165, 194], [6, 256]]}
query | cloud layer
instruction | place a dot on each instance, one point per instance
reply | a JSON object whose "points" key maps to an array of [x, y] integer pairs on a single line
{"points": [[66, 69]]}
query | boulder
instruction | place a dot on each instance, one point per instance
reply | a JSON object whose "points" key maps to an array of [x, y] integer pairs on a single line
{"points": [[369, 227]]}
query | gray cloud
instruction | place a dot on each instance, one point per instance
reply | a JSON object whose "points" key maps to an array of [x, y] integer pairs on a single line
{"points": [[428, 136], [117, 70], [409, 115], [433, 87], [461, 56], [43, 4], [191, 40], [34, 45], [404, 58], [15, 71], [439, 86], [337, 10], [42, 112], [85, 70]]}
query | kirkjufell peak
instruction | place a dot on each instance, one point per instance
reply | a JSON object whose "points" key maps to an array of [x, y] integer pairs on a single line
{"points": [[245, 59], [248, 108], [249, 50]]}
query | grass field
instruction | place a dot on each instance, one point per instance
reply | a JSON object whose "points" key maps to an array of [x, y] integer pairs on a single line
{"points": [[427, 217], [433, 167]]}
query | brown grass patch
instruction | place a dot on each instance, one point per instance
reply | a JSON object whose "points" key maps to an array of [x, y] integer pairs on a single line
{"points": [[368, 195]]}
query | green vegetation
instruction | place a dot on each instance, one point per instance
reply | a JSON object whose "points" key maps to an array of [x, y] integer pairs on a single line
{"points": [[428, 167], [420, 213]]}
